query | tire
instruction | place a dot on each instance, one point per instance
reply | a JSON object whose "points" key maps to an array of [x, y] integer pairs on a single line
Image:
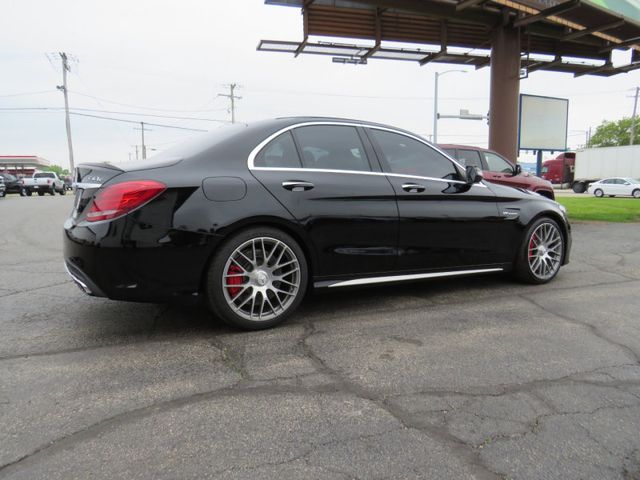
{"points": [[537, 266], [636, 193], [29, 193], [235, 257], [52, 192], [23, 192], [598, 193], [63, 191], [578, 187], [2, 194], [41, 194]]}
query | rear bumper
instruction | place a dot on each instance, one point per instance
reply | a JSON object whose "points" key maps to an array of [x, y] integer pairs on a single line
{"points": [[82, 280], [124, 260]]}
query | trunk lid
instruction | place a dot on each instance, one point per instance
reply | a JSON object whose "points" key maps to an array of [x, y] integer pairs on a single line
{"points": [[88, 178]]}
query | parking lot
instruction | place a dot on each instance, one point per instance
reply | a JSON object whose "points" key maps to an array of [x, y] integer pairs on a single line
{"points": [[465, 378]]}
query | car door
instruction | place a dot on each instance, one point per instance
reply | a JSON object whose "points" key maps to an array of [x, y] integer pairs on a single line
{"points": [[499, 170], [621, 187], [445, 224], [323, 175]]}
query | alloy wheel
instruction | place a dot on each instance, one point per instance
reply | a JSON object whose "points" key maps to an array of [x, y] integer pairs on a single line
{"points": [[544, 252], [261, 279]]}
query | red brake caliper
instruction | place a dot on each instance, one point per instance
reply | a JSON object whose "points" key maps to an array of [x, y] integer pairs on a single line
{"points": [[532, 245], [239, 280]]}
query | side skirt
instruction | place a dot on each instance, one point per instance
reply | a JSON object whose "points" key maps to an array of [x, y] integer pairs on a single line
{"points": [[401, 278]]}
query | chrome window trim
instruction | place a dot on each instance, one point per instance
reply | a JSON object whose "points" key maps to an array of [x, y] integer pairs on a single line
{"points": [[261, 145], [411, 276]]}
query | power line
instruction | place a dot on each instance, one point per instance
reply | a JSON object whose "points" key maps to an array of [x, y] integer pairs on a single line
{"points": [[144, 107], [26, 94], [138, 123], [116, 113]]}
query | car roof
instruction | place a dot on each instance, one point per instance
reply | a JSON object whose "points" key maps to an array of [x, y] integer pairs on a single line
{"points": [[464, 147]]}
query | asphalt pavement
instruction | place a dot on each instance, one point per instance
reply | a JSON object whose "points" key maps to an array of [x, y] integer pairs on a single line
{"points": [[464, 378]]}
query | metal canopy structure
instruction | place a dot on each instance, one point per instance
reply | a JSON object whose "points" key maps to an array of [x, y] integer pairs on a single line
{"points": [[572, 36]]}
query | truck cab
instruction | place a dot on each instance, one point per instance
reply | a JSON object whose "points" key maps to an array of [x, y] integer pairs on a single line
{"points": [[560, 169]]}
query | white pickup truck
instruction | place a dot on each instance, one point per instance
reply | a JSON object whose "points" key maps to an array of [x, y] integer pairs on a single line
{"points": [[43, 182]]}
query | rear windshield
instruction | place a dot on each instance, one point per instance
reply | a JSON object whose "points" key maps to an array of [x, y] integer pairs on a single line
{"points": [[44, 175]]}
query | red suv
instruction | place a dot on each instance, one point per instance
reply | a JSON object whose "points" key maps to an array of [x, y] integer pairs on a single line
{"points": [[497, 169]]}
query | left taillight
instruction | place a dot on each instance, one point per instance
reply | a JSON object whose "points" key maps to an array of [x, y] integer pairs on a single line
{"points": [[121, 198]]}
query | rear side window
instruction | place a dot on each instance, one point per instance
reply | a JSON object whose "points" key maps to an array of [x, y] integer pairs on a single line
{"points": [[332, 147], [470, 158], [406, 156], [279, 153]]}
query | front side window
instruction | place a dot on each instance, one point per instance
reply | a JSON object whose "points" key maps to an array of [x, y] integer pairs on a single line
{"points": [[495, 163], [470, 158], [406, 156], [331, 147], [279, 153]]}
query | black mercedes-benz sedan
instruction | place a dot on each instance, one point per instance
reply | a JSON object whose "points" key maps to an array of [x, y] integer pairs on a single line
{"points": [[250, 217]]}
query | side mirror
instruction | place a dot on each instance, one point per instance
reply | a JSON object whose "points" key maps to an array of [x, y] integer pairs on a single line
{"points": [[517, 170], [473, 174]]}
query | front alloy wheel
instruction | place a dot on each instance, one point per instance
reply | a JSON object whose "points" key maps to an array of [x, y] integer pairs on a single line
{"points": [[257, 279], [542, 253]]}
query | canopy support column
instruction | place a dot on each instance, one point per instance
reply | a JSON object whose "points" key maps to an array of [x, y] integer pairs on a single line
{"points": [[505, 90]]}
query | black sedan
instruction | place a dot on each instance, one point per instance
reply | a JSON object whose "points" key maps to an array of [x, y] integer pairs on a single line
{"points": [[249, 218], [13, 184]]}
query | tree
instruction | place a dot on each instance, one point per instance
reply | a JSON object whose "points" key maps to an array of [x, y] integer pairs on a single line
{"points": [[613, 134], [62, 172]]}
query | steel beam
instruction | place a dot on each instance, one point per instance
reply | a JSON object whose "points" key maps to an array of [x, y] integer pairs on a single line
{"points": [[547, 12], [588, 31], [625, 44], [468, 3]]}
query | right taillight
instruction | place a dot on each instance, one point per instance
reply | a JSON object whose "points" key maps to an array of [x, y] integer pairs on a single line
{"points": [[121, 198]]}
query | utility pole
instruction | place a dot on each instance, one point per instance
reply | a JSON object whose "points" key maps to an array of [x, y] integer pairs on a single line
{"points": [[633, 117], [63, 87], [231, 96], [144, 148]]}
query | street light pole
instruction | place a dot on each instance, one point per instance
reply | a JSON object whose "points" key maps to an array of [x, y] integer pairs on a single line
{"points": [[435, 103], [435, 110]]}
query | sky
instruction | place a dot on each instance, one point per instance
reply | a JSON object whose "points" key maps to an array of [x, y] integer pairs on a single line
{"points": [[173, 58]]}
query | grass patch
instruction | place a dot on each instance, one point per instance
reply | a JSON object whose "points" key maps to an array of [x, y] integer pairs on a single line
{"points": [[602, 209]]}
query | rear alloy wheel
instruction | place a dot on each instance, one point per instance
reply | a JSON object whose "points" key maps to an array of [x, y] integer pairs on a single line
{"points": [[598, 193], [541, 253], [636, 193], [257, 279]]}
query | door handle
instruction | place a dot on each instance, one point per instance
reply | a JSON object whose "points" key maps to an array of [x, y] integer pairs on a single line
{"points": [[413, 187], [297, 186]]}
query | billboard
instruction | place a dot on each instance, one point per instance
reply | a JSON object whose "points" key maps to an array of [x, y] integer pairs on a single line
{"points": [[542, 123]]}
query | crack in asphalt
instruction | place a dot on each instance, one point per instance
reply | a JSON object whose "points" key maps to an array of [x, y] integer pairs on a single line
{"points": [[590, 327]]}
